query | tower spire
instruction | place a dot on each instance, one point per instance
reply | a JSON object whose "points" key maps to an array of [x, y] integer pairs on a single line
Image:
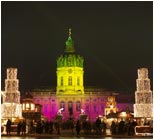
{"points": [[70, 33], [69, 43]]}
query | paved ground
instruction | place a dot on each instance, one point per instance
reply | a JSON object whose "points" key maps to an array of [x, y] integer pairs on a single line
{"points": [[68, 135]]}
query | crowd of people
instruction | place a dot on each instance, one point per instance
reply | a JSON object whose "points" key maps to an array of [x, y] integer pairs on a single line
{"points": [[123, 127], [21, 127], [98, 127]]}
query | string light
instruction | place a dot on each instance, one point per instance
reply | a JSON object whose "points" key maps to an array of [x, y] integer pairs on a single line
{"points": [[11, 107], [143, 106]]}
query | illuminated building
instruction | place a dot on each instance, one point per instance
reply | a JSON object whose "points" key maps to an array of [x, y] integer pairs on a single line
{"points": [[143, 106], [70, 92], [11, 107]]}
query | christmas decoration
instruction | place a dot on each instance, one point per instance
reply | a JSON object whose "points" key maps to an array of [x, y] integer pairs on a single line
{"points": [[143, 106]]}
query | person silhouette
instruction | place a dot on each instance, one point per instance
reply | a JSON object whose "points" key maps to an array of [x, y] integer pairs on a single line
{"points": [[8, 127]]}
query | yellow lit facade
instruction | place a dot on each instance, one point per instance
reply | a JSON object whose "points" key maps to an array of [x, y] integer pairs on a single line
{"points": [[70, 80]]}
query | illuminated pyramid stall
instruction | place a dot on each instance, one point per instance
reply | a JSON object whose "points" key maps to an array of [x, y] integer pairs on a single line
{"points": [[143, 106], [110, 105], [11, 107]]}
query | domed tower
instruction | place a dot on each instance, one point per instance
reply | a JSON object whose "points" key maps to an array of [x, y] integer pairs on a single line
{"points": [[70, 71]]}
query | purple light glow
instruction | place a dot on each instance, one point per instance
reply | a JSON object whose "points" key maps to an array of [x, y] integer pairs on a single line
{"points": [[92, 110]]}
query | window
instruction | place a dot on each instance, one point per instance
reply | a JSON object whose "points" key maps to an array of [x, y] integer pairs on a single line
{"points": [[95, 108], [53, 107], [61, 81], [70, 104], [62, 104], [78, 106], [78, 81], [70, 80], [37, 101], [70, 108], [87, 108], [46, 109], [102, 108]]}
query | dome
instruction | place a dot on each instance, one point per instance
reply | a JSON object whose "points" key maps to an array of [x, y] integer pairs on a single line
{"points": [[70, 60]]}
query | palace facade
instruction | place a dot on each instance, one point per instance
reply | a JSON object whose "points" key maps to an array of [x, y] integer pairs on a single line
{"points": [[70, 93]]}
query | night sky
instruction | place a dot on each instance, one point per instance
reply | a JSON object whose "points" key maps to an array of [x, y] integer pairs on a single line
{"points": [[115, 39]]}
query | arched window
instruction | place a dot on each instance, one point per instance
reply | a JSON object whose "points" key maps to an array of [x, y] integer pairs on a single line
{"points": [[70, 104], [87, 108], [38, 101], [70, 108], [45, 109], [62, 104], [95, 108], [78, 106], [70, 80], [61, 81]]}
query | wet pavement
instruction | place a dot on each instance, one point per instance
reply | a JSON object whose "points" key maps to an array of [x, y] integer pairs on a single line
{"points": [[74, 137], [69, 135]]}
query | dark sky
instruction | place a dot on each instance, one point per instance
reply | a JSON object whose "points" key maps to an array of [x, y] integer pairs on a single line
{"points": [[115, 39]]}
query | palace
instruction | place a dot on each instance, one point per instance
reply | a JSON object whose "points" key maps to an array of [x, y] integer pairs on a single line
{"points": [[70, 93]]}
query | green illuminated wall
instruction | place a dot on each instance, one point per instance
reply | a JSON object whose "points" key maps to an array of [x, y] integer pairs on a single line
{"points": [[70, 70]]}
